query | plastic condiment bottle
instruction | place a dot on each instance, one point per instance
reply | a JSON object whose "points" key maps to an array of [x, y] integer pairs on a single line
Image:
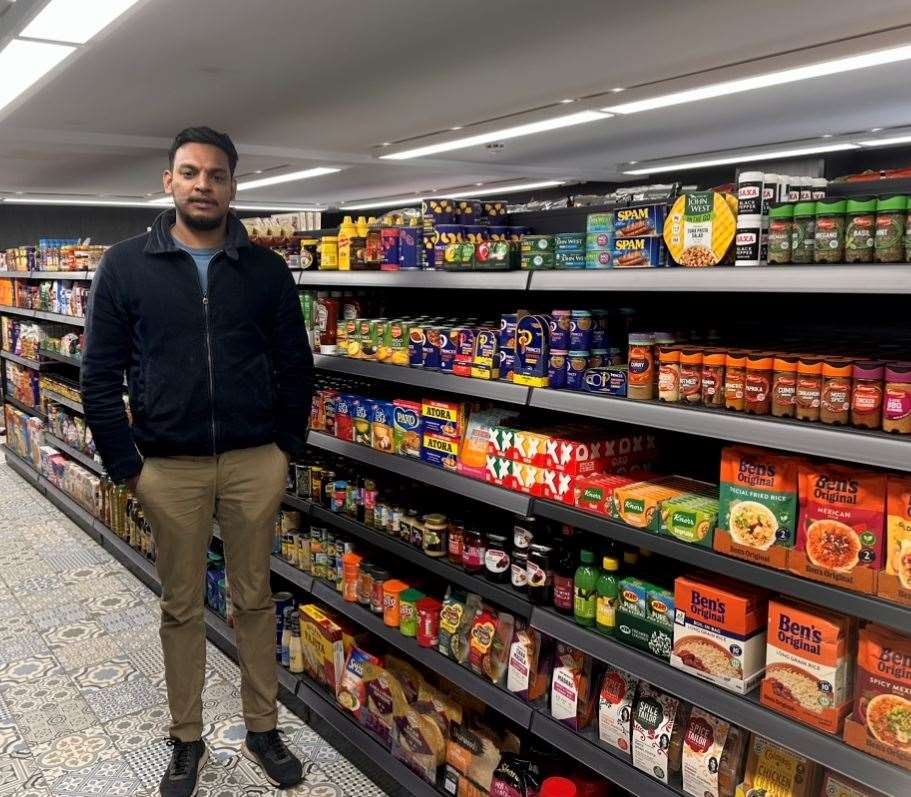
{"points": [[585, 586], [351, 568], [346, 231], [867, 395], [608, 593], [784, 386], [735, 364], [809, 389], [669, 374]]}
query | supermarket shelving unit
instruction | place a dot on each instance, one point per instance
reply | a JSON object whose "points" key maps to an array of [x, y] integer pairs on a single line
{"points": [[48, 275], [61, 358]]}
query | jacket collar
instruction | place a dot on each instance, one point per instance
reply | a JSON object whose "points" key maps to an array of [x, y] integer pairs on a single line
{"points": [[162, 242]]}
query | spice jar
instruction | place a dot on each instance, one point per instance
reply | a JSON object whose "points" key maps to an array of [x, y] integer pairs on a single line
{"points": [[713, 378], [829, 237], [456, 538], [641, 378], [410, 527], [669, 374], [518, 570], [351, 568], [380, 577], [809, 389], [690, 375], [429, 622], [433, 540], [835, 401], [392, 593], [473, 551], [496, 558], [539, 572], [735, 364], [860, 229], [784, 386], [757, 390], [365, 584], [803, 232], [867, 395], [781, 228], [897, 399], [408, 611], [889, 241]]}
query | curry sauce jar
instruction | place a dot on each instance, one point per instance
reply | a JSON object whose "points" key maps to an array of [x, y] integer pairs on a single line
{"points": [[784, 386]]}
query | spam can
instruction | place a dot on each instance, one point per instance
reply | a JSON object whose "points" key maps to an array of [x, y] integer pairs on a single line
{"points": [[639, 221], [638, 252]]}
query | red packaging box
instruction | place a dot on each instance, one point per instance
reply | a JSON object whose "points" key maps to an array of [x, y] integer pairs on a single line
{"points": [[594, 493]]}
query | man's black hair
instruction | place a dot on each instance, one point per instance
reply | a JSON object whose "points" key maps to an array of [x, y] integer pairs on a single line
{"points": [[204, 135]]}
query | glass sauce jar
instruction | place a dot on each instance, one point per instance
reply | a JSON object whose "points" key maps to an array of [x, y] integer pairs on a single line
{"points": [[473, 551], [496, 558], [540, 575], [455, 541], [434, 538]]}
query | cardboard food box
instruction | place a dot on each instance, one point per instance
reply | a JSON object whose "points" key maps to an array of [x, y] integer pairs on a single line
{"points": [[720, 631], [777, 772], [809, 663], [323, 643], [406, 428], [645, 615], [381, 419], [689, 518], [595, 493], [841, 527], [894, 582], [638, 504]]}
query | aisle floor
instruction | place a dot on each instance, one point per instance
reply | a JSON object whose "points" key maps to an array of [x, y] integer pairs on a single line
{"points": [[83, 706]]}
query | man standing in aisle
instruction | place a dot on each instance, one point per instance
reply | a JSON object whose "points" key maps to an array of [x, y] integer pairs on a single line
{"points": [[209, 329]]}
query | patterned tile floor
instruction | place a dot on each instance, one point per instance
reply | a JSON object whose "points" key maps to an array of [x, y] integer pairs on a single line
{"points": [[82, 696]]}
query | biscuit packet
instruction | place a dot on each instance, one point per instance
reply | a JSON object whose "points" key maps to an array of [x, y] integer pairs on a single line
{"points": [[420, 736], [381, 690]]}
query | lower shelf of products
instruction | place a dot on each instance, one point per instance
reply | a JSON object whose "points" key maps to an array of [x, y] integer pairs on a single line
{"points": [[66, 402], [28, 409], [81, 457], [744, 710]]}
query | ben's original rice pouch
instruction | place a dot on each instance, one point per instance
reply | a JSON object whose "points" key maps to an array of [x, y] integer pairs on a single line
{"points": [[895, 578], [840, 533], [699, 229], [757, 505], [809, 663], [880, 723], [720, 631]]}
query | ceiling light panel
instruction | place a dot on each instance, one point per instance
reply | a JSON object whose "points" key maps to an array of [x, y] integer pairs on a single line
{"points": [[555, 123], [23, 63], [747, 157], [104, 203], [504, 189], [74, 21], [291, 177], [781, 77]]}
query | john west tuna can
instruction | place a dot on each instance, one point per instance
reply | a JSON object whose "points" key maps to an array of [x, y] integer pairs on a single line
{"points": [[747, 240]]}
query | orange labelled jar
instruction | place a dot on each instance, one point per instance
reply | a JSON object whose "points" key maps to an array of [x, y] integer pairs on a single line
{"points": [[835, 401], [669, 374], [690, 375], [392, 601], [809, 388], [735, 364], [713, 378], [351, 569], [784, 386], [758, 384]]}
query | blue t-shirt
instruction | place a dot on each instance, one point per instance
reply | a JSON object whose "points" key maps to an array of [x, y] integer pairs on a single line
{"points": [[202, 258]]}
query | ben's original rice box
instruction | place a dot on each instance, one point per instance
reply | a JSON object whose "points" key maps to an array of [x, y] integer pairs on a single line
{"points": [[757, 505], [895, 578], [809, 663], [840, 533], [880, 723], [720, 631], [776, 772]]}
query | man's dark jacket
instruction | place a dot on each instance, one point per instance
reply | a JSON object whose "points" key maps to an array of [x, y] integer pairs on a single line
{"points": [[206, 374]]}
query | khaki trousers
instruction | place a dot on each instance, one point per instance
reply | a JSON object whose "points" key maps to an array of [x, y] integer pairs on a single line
{"points": [[180, 495]]}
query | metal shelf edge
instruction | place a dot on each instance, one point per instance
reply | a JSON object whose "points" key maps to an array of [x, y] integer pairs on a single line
{"points": [[414, 469], [806, 438], [79, 456], [461, 280], [828, 750], [76, 406]]}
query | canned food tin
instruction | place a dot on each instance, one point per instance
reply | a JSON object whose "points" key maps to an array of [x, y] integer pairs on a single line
{"points": [[556, 368], [576, 366]]}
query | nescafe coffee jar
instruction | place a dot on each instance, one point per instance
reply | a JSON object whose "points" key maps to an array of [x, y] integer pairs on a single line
{"points": [[497, 559], [539, 572], [809, 389], [758, 386], [835, 401], [784, 386], [867, 395]]}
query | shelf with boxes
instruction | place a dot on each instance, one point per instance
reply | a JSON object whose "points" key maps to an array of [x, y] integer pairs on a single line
{"points": [[43, 275], [15, 358]]}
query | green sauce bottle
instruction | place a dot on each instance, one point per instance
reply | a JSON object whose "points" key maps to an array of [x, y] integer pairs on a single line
{"points": [[608, 594], [585, 583]]}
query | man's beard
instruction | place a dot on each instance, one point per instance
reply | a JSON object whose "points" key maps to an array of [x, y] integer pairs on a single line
{"points": [[200, 224]]}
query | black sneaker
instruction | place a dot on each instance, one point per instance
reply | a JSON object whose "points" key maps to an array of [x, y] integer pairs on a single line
{"points": [[187, 761], [280, 766]]}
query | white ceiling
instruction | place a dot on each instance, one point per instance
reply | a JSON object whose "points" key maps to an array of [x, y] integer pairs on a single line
{"points": [[324, 82]]}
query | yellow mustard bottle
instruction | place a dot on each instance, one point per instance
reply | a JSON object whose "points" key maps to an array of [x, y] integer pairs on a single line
{"points": [[346, 231], [362, 226]]}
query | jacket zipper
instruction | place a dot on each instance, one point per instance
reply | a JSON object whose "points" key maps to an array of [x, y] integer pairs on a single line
{"points": [[211, 367]]}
